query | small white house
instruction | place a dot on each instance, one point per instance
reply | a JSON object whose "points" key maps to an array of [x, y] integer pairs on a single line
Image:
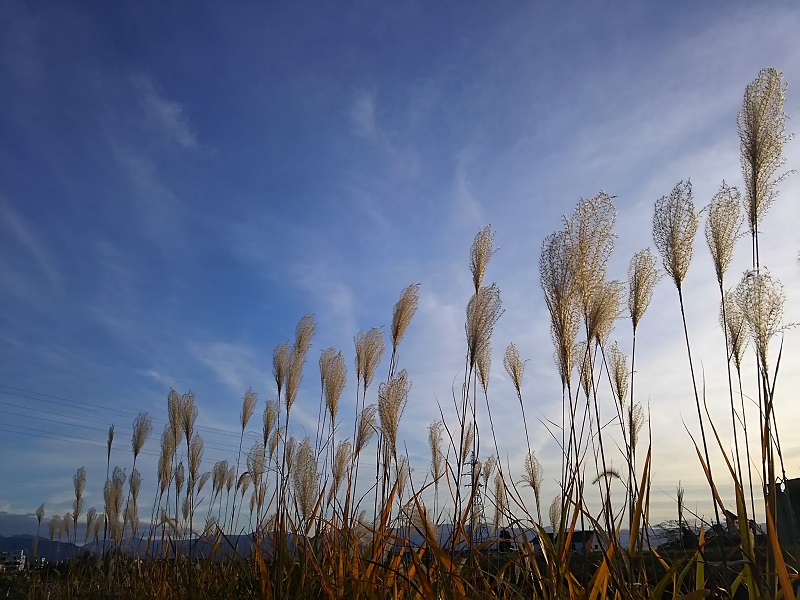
{"points": [[13, 561]]}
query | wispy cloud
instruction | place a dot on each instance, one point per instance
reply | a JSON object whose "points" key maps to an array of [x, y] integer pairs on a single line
{"points": [[362, 114], [30, 241], [166, 115]]}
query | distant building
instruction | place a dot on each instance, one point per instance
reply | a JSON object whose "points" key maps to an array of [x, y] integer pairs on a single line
{"points": [[13, 561]]}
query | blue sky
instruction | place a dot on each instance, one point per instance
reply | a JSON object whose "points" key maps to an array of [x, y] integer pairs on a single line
{"points": [[180, 184]]}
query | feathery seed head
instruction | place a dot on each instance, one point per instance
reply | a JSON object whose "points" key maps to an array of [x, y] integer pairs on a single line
{"points": [[620, 376], [469, 437], [273, 442], [488, 468], [674, 227], [79, 483], [722, 227], [256, 463], [195, 457], [333, 375], [403, 313], [135, 484], [483, 311], [369, 350], [500, 499], [40, 513], [603, 309], [515, 366], [555, 514], [480, 254], [392, 398], [583, 365], [180, 477], [244, 482], [91, 515], [635, 422], [762, 134], [201, 483], [290, 449], [230, 480], [761, 300], [435, 443], [174, 411], [344, 454], [732, 319], [533, 475], [558, 280], [403, 475], [220, 473], [306, 478], [642, 278], [280, 364], [590, 230], [270, 419], [248, 407], [142, 428], [110, 440], [484, 364], [188, 413], [366, 427]]}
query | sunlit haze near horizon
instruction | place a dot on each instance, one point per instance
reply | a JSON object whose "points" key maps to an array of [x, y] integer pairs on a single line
{"points": [[181, 183]]}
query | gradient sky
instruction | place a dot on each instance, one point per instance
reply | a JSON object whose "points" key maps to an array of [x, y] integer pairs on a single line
{"points": [[180, 183]]}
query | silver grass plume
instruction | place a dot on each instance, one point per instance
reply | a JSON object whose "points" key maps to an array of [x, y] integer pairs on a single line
{"points": [[469, 437], [248, 407], [635, 422], [642, 278], [91, 515], [404, 311], [243, 483], [422, 522], [603, 309], [306, 478], [230, 480], [303, 333], [195, 458], [66, 523], [280, 364], [722, 227], [366, 427], [761, 300], [79, 483], [514, 366], [273, 442], [620, 376], [435, 443], [54, 526], [142, 428], [762, 134], [533, 476], [674, 227], [501, 502], [219, 476], [480, 254], [174, 410], [256, 463], [188, 414], [483, 311], [343, 456], [583, 365], [403, 475], [270, 419], [591, 239], [484, 364], [557, 278], [333, 374], [165, 458], [555, 514], [180, 478], [732, 319], [392, 398], [369, 350], [291, 448], [488, 468], [201, 483]]}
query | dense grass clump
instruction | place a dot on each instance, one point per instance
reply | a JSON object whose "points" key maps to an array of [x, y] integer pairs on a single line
{"points": [[285, 519]]}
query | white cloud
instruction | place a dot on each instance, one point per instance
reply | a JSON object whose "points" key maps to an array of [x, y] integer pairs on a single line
{"points": [[362, 114], [167, 116]]}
